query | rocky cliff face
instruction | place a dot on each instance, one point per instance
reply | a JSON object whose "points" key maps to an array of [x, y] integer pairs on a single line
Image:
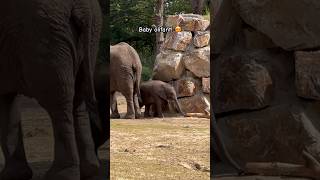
{"points": [[184, 62], [266, 66]]}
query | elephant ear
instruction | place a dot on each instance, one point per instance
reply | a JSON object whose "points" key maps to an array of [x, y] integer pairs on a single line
{"points": [[162, 92]]}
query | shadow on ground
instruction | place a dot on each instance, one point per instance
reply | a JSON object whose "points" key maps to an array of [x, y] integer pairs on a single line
{"points": [[40, 168]]}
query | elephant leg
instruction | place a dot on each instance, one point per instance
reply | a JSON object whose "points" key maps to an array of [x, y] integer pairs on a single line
{"points": [[114, 106], [130, 106], [16, 166], [147, 110], [89, 163], [158, 108], [66, 164], [178, 107], [137, 107], [153, 110], [100, 125]]}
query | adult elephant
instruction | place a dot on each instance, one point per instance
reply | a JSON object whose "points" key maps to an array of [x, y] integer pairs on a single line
{"points": [[125, 76], [48, 52], [157, 94]]}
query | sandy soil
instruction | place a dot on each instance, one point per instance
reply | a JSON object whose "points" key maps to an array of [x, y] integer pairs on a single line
{"points": [[38, 139], [168, 148]]}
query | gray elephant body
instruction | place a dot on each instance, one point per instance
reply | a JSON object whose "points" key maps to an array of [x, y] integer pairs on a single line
{"points": [[48, 51], [125, 77], [157, 94]]}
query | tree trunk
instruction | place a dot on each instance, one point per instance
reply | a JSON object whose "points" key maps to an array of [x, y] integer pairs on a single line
{"points": [[159, 23], [103, 4], [197, 6]]}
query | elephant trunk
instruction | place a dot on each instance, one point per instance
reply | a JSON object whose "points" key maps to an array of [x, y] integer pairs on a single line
{"points": [[179, 107]]}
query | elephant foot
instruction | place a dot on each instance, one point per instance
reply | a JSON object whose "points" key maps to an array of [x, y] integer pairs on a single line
{"points": [[160, 115], [138, 116], [130, 116], [16, 173], [115, 116], [63, 173], [90, 171], [93, 178]]}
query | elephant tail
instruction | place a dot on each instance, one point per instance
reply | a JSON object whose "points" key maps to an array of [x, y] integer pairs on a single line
{"points": [[137, 75], [90, 25], [137, 70]]}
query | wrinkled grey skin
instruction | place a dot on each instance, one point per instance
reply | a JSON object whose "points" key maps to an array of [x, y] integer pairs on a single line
{"points": [[48, 51], [101, 86], [125, 77], [156, 93]]}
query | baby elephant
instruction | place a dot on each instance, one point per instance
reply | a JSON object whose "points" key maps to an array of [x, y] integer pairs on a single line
{"points": [[157, 94]]}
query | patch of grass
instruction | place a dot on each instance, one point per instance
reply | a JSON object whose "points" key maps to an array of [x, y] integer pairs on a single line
{"points": [[156, 148], [150, 169], [154, 126]]}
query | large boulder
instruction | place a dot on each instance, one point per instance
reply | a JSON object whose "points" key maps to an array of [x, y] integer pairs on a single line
{"points": [[290, 24], [276, 134], [186, 86], [227, 24], [178, 41], [201, 39], [188, 22], [198, 61], [254, 39], [243, 83], [308, 74], [188, 73], [262, 66], [206, 85], [198, 103], [168, 66]]}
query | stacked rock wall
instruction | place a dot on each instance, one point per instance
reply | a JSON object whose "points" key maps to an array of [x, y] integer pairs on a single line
{"points": [[267, 79], [184, 62]]}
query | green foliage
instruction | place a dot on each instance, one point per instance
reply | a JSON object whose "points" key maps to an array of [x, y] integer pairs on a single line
{"points": [[146, 73], [126, 16], [207, 13], [177, 6]]}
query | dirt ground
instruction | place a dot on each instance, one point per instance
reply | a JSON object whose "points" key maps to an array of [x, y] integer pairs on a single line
{"points": [[38, 139], [152, 149], [164, 149]]}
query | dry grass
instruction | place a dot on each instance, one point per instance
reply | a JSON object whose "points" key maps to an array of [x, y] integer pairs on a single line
{"points": [[169, 148]]}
